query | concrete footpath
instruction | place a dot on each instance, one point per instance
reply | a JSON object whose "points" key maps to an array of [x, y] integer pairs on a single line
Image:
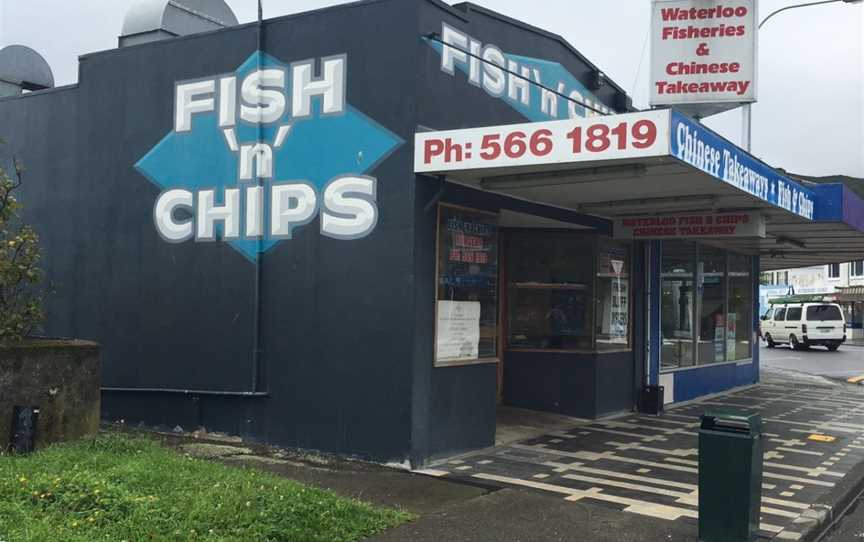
{"points": [[632, 478]]}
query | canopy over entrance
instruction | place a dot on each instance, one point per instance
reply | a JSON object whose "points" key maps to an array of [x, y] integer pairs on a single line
{"points": [[657, 175]]}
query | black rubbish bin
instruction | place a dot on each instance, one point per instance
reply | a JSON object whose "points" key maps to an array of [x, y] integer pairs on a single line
{"points": [[651, 400], [730, 476]]}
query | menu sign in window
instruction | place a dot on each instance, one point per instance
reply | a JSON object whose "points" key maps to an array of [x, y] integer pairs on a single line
{"points": [[467, 287], [458, 331]]}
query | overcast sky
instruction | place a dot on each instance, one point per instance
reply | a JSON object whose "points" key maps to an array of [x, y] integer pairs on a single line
{"points": [[809, 118]]}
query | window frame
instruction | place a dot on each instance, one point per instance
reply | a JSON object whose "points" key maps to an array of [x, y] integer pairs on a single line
{"points": [[697, 304], [852, 272], [830, 275], [479, 360], [596, 241], [630, 281]]}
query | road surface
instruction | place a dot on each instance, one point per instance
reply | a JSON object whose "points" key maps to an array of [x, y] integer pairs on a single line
{"points": [[848, 361], [850, 528]]}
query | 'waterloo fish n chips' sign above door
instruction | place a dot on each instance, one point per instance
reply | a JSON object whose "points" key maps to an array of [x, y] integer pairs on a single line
{"points": [[691, 226]]}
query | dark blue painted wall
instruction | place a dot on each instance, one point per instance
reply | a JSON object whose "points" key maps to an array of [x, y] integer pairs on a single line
{"points": [[337, 334], [347, 327]]}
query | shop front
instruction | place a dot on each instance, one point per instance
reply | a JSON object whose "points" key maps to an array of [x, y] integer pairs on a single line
{"points": [[668, 290], [365, 243], [548, 303]]}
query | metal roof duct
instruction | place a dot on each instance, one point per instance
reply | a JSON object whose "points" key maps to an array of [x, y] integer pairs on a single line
{"points": [[154, 20], [22, 68]]}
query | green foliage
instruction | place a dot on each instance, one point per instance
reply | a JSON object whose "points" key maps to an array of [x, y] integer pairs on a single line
{"points": [[20, 275], [116, 487]]}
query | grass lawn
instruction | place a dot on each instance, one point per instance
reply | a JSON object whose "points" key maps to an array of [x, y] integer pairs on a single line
{"points": [[117, 487]]}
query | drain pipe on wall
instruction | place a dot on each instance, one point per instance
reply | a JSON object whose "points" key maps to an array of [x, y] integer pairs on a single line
{"points": [[256, 317], [256, 325]]}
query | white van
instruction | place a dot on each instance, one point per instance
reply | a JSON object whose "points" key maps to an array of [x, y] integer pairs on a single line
{"points": [[802, 325]]}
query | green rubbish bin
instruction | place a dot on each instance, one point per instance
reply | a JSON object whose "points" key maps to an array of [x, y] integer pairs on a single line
{"points": [[730, 476]]}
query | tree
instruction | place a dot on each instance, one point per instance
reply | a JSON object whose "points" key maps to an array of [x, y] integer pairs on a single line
{"points": [[21, 293]]}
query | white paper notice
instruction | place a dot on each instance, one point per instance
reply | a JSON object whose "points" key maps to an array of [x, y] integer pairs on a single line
{"points": [[458, 331]]}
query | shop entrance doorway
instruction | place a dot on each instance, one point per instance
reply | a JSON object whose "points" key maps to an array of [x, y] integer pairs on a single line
{"points": [[567, 325]]}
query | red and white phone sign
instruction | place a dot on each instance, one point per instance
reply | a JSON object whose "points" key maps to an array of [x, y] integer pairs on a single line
{"points": [[630, 135]]}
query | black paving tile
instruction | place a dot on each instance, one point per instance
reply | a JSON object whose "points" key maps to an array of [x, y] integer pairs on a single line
{"points": [[643, 460]]}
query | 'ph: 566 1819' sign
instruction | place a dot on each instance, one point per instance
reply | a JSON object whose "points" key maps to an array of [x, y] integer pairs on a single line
{"points": [[633, 135]]}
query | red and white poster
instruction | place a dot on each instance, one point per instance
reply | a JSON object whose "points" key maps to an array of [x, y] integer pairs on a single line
{"points": [[703, 54], [691, 226]]}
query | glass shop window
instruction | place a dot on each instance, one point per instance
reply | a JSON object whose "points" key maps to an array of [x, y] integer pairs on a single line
{"points": [[613, 296], [707, 304], [678, 304], [739, 321], [466, 328], [857, 316], [550, 281], [712, 316]]}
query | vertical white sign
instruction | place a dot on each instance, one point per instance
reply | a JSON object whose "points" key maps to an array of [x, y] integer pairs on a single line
{"points": [[703, 52]]}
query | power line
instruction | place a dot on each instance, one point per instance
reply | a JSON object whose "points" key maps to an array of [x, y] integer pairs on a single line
{"points": [[641, 61]]}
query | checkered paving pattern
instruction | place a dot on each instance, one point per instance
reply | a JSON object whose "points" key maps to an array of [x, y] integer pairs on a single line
{"points": [[648, 465]]}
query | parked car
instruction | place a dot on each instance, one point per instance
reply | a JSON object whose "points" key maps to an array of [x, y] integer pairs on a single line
{"points": [[802, 325]]}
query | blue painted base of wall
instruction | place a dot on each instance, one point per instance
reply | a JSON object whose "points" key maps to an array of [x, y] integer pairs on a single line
{"points": [[694, 383]]}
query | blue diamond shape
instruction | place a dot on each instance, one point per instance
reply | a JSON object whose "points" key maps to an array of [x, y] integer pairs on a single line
{"points": [[316, 150]]}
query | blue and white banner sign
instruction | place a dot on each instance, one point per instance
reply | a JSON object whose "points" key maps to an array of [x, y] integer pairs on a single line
{"points": [[694, 144]]}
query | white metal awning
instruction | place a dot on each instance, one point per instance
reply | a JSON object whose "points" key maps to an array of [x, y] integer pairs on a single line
{"points": [[684, 168]]}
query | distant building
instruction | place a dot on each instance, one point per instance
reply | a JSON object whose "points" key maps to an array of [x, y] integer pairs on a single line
{"points": [[846, 280], [822, 279]]}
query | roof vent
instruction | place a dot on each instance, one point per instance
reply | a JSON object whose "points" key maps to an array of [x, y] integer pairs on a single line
{"points": [[154, 20], [22, 68]]}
